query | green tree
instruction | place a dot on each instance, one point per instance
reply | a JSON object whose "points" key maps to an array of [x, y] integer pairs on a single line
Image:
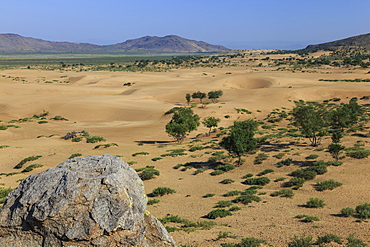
{"points": [[210, 122], [188, 98], [215, 95], [199, 95], [241, 139], [311, 121], [182, 123]]}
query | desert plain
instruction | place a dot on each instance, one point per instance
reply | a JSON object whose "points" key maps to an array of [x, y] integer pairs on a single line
{"points": [[133, 117]]}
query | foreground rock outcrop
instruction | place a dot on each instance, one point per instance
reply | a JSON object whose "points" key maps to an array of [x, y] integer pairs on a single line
{"points": [[92, 201]]}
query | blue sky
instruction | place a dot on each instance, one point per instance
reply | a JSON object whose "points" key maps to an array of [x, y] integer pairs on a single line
{"points": [[236, 24]]}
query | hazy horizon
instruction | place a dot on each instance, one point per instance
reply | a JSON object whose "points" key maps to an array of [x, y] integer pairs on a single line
{"points": [[238, 24]]}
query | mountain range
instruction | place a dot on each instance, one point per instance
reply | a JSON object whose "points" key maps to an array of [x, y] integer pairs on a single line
{"points": [[354, 41], [14, 43]]}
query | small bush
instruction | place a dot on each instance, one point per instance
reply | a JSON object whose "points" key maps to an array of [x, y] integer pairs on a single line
{"points": [[74, 155], [94, 139], [22, 162], [42, 122], [177, 166], [334, 163], [295, 182], [312, 157], [249, 175], [225, 167], [218, 213], [174, 152], [147, 172], [223, 204], [260, 158], [301, 241], [31, 167], [3, 127], [233, 193], [195, 148], [153, 201], [200, 170], [161, 191], [227, 181], [234, 208], [257, 181], [106, 145], [363, 210], [246, 199], [208, 195], [4, 192], [304, 173], [140, 153], [315, 203], [156, 158], [355, 242], [283, 193], [286, 162], [265, 172], [347, 212], [328, 238], [59, 118], [217, 172], [327, 185], [279, 179], [279, 155], [358, 153], [77, 139]]}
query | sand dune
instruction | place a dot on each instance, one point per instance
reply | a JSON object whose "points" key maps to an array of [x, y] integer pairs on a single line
{"points": [[127, 115]]}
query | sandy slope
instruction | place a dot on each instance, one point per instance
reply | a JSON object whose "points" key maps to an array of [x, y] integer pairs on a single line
{"points": [[99, 103]]}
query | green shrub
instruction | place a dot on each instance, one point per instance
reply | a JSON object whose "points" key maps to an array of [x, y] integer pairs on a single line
{"points": [[153, 201], [246, 199], [286, 162], [257, 181], [74, 155], [327, 185], [195, 148], [312, 157], [234, 208], [320, 167], [200, 170], [223, 204], [363, 210], [218, 213], [174, 152], [177, 166], [77, 139], [31, 167], [279, 155], [334, 163], [295, 182], [315, 203], [279, 179], [260, 158], [251, 242], [225, 167], [248, 175], [94, 139], [347, 212], [106, 145], [22, 162], [208, 195], [328, 238], [358, 153], [60, 118], [156, 158], [265, 172], [217, 172], [42, 122], [307, 218], [283, 193], [227, 181], [4, 146], [147, 172], [4, 192], [161, 191], [233, 193], [3, 127], [354, 242], [304, 173], [140, 153], [301, 241]]}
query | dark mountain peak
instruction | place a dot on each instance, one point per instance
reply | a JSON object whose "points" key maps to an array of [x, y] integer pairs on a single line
{"points": [[362, 40]]}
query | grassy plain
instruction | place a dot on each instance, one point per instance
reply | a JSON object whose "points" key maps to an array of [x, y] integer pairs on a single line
{"points": [[125, 102]]}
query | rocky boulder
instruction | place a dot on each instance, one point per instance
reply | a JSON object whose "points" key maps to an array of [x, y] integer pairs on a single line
{"points": [[91, 201]]}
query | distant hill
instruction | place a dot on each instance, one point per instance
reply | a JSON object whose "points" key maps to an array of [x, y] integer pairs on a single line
{"points": [[355, 41], [14, 43]]}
